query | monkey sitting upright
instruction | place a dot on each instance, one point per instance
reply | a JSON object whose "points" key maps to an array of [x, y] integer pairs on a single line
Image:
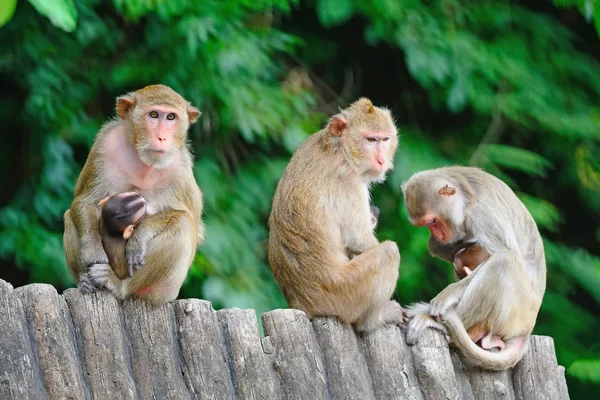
{"points": [[120, 213], [145, 150], [497, 302], [322, 249]]}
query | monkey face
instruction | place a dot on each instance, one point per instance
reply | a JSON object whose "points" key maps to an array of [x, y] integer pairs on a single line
{"points": [[376, 148]]}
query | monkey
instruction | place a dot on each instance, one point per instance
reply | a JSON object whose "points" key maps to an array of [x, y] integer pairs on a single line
{"points": [[466, 258], [322, 248], [497, 302], [374, 216], [145, 150], [120, 213]]}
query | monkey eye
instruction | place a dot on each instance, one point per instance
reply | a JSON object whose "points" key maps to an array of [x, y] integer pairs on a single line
{"points": [[171, 116], [431, 222], [371, 139], [153, 114], [385, 139]]}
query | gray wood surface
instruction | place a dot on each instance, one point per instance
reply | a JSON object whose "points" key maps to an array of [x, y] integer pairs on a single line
{"points": [[75, 346]]}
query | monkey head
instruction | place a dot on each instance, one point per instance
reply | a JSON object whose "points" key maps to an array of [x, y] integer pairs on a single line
{"points": [[368, 138], [437, 203], [158, 119], [121, 212]]}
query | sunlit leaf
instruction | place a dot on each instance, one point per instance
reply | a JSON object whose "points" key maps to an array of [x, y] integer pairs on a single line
{"points": [[61, 13], [7, 9]]}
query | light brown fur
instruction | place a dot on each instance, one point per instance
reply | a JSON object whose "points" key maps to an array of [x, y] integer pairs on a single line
{"points": [[499, 301], [133, 153], [322, 248]]}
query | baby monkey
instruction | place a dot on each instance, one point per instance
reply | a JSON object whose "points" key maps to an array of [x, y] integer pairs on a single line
{"points": [[466, 258], [120, 214]]}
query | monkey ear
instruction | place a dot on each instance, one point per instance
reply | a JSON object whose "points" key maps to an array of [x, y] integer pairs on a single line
{"points": [[103, 201], [447, 191], [124, 104], [337, 125], [128, 231], [193, 113]]}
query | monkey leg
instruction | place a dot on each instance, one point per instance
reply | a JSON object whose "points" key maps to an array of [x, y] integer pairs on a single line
{"points": [[167, 260], [500, 296], [362, 288]]}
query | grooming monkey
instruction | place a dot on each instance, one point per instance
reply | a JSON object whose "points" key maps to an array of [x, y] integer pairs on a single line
{"points": [[144, 151], [322, 249], [120, 213], [466, 258], [497, 302]]}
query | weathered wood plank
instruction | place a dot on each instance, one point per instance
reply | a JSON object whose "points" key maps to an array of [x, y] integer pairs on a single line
{"points": [[433, 366], [538, 375], [20, 376], [251, 373], [345, 364], [100, 334], [390, 364], [493, 385], [462, 379], [52, 331], [297, 357], [205, 367], [155, 352]]}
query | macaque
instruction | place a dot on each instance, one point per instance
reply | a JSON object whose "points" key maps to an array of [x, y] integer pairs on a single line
{"points": [[466, 258], [374, 216], [322, 249], [145, 151], [120, 213], [498, 301]]}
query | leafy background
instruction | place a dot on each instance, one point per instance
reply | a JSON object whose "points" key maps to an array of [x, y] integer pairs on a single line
{"points": [[510, 86]]}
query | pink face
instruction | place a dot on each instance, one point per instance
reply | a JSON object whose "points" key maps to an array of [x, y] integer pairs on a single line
{"points": [[376, 146], [162, 124], [438, 227]]}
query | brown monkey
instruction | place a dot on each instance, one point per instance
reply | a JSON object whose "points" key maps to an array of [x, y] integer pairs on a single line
{"points": [[145, 151], [466, 258], [499, 301], [322, 249], [120, 213]]}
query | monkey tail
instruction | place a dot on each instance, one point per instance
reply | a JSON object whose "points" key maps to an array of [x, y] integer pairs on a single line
{"points": [[499, 361]]}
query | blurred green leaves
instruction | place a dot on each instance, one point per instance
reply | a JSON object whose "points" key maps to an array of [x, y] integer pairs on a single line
{"points": [[61, 13], [7, 9]]}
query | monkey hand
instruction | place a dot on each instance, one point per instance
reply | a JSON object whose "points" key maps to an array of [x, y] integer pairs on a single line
{"points": [[135, 252], [417, 326], [446, 300], [85, 284], [98, 275]]}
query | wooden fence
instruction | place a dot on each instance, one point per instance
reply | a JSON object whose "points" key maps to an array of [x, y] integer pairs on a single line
{"points": [[75, 346]]}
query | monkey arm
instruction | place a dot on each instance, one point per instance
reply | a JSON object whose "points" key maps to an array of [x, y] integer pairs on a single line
{"points": [[148, 228], [85, 217]]}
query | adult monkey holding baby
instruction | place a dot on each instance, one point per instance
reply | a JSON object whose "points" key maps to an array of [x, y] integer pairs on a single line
{"points": [[146, 151], [322, 249], [497, 302]]}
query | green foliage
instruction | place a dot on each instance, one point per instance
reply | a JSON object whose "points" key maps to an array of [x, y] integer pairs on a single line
{"points": [[7, 9], [492, 84], [61, 13]]}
